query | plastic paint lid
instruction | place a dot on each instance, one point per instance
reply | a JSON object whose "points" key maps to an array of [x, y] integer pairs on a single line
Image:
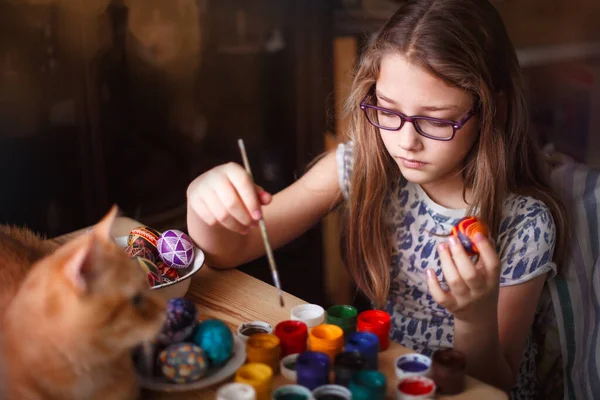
{"points": [[295, 392], [332, 391], [311, 314], [236, 391], [247, 329], [288, 366]]}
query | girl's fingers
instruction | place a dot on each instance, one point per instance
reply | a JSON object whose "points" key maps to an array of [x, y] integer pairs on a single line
{"points": [[451, 274], [264, 196], [246, 190], [487, 256], [216, 207], [204, 213], [472, 277], [442, 297], [231, 201]]}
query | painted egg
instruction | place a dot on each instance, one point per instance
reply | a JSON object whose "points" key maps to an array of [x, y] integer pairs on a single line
{"points": [[183, 362], [182, 317], [175, 249], [465, 229], [140, 251], [168, 274], [144, 236], [215, 337], [152, 273]]}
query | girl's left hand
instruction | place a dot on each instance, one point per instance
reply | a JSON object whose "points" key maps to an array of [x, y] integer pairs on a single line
{"points": [[473, 288]]}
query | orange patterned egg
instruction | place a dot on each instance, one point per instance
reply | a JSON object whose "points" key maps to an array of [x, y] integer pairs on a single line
{"points": [[168, 274], [465, 229], [144, 236], [153, 275]]}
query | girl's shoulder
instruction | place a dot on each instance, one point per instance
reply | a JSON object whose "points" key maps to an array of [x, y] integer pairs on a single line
{"points": [[519, 210]]}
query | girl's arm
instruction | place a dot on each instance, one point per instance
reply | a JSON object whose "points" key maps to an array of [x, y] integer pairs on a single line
{"points": [[494, 344], [222, 203]]}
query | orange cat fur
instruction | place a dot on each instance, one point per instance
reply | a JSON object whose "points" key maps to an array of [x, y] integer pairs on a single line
{"points": [[69, 331]]}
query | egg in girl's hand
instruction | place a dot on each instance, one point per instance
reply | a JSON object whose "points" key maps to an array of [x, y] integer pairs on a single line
{"points": [[215, 337], [183, 362], [182, 317], [465, 229], [144, 236], [175, 249], [152, 272]]}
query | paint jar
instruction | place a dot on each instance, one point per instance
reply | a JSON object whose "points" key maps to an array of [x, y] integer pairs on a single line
{"points": [[293, 336], [328, 339], [236, 391], [332, 392], [412, 365], [257, 375], [346, 365], [448, 371], [343, 316], [247, 329], [377, 322], [311, 314], [264, 348], [288, 366], [415, 388], [312, 369], [368, 385], [367, 344], [292, 392]]}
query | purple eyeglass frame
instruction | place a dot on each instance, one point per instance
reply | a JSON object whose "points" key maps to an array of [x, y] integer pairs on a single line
{"points": [[456, 125]]}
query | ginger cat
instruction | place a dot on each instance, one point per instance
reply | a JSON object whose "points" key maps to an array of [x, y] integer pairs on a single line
{"points": [[74, 317]]}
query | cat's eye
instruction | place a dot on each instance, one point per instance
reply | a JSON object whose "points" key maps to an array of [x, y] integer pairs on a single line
{"points": [[137, 300]]}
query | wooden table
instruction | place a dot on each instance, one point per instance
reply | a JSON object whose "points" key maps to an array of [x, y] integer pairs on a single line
{"points": [[236, 297]]}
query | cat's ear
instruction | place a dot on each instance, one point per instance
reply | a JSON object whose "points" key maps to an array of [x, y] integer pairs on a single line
{"points": [[78, 267], [104, 227]]}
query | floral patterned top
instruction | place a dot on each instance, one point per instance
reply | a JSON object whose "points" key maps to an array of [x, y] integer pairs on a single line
{"points": [[525, 243]]}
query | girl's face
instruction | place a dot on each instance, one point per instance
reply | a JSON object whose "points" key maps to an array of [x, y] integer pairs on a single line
{"points": [[412, 91]]}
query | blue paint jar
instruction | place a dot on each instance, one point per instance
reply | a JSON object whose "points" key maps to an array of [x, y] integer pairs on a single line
{"points": [[367, 344], [312, 369]]}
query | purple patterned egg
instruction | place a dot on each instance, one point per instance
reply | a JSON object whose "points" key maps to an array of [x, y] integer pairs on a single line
{"points": [[176, 249], [182, 318], [183, 362]]}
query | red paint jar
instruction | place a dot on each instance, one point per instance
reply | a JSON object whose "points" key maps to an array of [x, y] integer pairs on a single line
{"points": [[377, 322], [293, 336], [415, 388]]}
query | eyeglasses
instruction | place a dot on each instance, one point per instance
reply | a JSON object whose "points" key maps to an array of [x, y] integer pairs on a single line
{"points": [[432, 128]]}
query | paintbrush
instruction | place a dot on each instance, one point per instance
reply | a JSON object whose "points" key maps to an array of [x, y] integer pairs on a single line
{"points": [[263, 229]]}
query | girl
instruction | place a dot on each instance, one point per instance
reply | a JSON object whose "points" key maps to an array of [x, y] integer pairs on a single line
{"points": [[439, 130]]}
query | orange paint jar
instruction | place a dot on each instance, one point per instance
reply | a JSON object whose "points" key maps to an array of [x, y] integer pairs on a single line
{"points": [[328, 339]]}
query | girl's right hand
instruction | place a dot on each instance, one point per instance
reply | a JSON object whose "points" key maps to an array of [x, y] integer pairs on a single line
{"points": [[226, 196]]}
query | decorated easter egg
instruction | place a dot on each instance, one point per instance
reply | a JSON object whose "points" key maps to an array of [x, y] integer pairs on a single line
{"points": [[181, 320], [144, 236], [140, 251], [183, 362], [175, 249], [168, 274], [152, 273], [215, 337], [465, 229]]}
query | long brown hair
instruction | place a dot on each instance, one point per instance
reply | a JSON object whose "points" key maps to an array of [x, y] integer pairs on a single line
{"points": [[464, 43]]}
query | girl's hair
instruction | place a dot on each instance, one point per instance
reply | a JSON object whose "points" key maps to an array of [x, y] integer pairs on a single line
{"points": [[464, 43]]}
